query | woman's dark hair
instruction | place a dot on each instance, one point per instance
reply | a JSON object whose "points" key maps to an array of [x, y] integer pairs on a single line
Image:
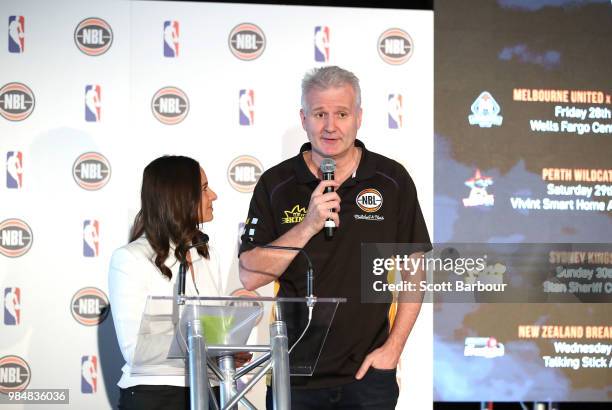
{"points": [[170, 206]]}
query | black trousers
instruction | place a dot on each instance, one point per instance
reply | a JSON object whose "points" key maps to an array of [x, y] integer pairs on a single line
{"points": [[377, 390], [151, 397]]}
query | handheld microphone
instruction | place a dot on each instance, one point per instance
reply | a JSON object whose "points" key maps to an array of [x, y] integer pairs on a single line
{"points": [[183, 266], [328, 166]]}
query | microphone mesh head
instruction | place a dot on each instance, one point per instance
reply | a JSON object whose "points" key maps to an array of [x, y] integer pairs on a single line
{"points": [[328, 165]]}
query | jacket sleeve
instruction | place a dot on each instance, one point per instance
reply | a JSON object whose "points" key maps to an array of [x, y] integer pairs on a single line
{"points": [[259, 226], [128, 293]]}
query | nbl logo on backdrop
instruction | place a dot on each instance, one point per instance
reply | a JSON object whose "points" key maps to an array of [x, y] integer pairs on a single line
{"points": [[91, 171], [246, 107], [16, 101], [171, 38], [91, 238], [89, 374], [395, 46], [14, 170], [15, 238], [16, 34], [243, 293], [247, 41], [14, 374], [170, 105], [244, 172], [93, 103], [395, 111], [12, 306], [93, 36], [89, 306], [321, 44]]}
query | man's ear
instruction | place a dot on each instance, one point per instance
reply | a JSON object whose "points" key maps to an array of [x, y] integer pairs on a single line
{"points": [[303, 118]]}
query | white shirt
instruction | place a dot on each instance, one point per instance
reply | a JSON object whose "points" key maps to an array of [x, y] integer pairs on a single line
{"points": [[133, 277]]}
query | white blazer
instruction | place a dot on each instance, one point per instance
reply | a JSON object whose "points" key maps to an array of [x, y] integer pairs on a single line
{"points": [[133, 277]]}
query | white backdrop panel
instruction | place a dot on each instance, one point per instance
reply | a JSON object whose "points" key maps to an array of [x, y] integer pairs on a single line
{"points": [[50, 340]]}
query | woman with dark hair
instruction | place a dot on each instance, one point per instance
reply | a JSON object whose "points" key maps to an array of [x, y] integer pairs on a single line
{"points": [[175, 199]]}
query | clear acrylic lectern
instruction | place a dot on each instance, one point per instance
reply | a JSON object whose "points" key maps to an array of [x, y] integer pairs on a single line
{"points": [[199, 337]]}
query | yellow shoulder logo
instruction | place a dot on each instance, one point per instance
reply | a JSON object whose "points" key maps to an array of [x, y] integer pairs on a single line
{"points": [[295, 215]]}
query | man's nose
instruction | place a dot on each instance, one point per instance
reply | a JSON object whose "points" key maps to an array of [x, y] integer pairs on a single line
{"points": [[330, 123]]}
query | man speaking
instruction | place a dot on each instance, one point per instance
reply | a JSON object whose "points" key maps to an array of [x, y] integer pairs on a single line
{"points": [[293, 205]]}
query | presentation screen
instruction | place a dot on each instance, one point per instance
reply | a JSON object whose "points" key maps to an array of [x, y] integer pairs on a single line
{"points": [[523, 154]]}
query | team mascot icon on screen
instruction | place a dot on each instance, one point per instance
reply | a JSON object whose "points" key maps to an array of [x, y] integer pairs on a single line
{"points": [[478, 191], [485, 111]]}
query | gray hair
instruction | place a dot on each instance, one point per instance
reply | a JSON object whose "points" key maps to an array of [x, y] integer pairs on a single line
{"points": [[323, 78]]}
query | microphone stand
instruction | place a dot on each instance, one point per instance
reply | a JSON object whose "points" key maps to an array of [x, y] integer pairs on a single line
{"points": [[180, 298], [311, 298]]}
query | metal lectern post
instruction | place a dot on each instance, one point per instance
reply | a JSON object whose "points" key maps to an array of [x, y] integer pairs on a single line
{"points": [[198, 376], [280, 366], [228, 383], [206, 332]]}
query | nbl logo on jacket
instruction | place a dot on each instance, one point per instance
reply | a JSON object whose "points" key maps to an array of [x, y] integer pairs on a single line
{"points": [[16, 34], [14, 169], [395, 111], [12, 306], [93, 103], [321, 44], [91, 238], [89, 374], [246, 107], [171, 38]]}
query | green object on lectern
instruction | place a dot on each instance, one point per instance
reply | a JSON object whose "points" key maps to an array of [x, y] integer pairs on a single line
{"points": [[216, 328]]}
